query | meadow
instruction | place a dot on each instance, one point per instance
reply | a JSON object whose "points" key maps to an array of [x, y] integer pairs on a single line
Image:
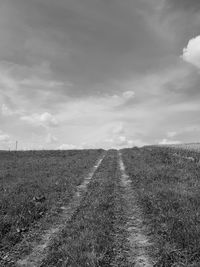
{"points": [[35, 184], [94, 236], [188, 146], [102, 230], [166, 181]]}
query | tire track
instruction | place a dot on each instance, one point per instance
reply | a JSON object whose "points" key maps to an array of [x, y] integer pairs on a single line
{"points": [[138, 241], [39, 251]]}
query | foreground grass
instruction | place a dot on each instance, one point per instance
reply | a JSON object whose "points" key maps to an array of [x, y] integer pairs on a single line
{"points": [[94, 236], [33, 184], [168, 189]]}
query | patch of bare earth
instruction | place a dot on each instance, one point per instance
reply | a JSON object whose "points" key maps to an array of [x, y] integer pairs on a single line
{"points": [[38, 246], [137, 239]]}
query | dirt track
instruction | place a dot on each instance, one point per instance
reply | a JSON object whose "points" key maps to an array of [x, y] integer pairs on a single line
{"points": [[138, 241], [103, 207], [39, 250]]}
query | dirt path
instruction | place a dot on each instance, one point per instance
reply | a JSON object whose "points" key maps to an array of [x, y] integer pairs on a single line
{"points": [[138, 241], [40, 249]]}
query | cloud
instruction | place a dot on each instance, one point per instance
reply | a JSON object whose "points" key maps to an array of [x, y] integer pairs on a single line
{"points": [[119, 141], [30, 87], [128, 94], [171, 134], [48, 119], [67, 147], [88, 42], [5, 140], [169, 142], [117, 137], [118, 129], [51, 139], [36, 82], [98, 70], [45, 119], [6, 111], [122, 141], [191, 53], [120, 99], [186, 5], [4, 137]]}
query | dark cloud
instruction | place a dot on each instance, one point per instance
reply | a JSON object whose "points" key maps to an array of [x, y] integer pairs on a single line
{"points": [[80, 60], [187, 89], [186, 5], [181, 19], [87, 43]]}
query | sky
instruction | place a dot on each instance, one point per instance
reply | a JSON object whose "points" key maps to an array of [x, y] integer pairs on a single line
{"points": [[99, 73]]}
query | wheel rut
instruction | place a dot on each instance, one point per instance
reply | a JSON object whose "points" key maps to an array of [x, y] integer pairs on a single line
{"points": [[39, 251], [137, 240]]}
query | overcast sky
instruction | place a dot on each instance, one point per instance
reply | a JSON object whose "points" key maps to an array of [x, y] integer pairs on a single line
{"points": [[99, 73]]}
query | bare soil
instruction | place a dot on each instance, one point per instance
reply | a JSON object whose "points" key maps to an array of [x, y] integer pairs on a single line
{"points": [[137, 238]]}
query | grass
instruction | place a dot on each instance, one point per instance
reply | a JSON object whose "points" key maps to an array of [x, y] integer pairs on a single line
{"points": [[168, 190], [94, 236], [167, 187], [33, 184], [187, 146]]}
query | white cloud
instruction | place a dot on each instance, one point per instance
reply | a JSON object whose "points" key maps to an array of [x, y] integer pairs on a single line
{"points": [[67, 147], [191, 53], [128, 94], [5, 140], [123, 141], [120, 99], [40, 83], [118, 129], [49, 119], [171, 134], [6, 111], [9, 110], [28, 88], [45, 119], [51, 139], [191, 128], [94, 119], [4, 137], [169, 142], [117, 137]]}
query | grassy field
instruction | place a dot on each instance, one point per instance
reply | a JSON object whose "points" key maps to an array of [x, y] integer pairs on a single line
{"points": [[165, 185], [34, 184], [168, 190], [94, 236], [189, 146]]}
